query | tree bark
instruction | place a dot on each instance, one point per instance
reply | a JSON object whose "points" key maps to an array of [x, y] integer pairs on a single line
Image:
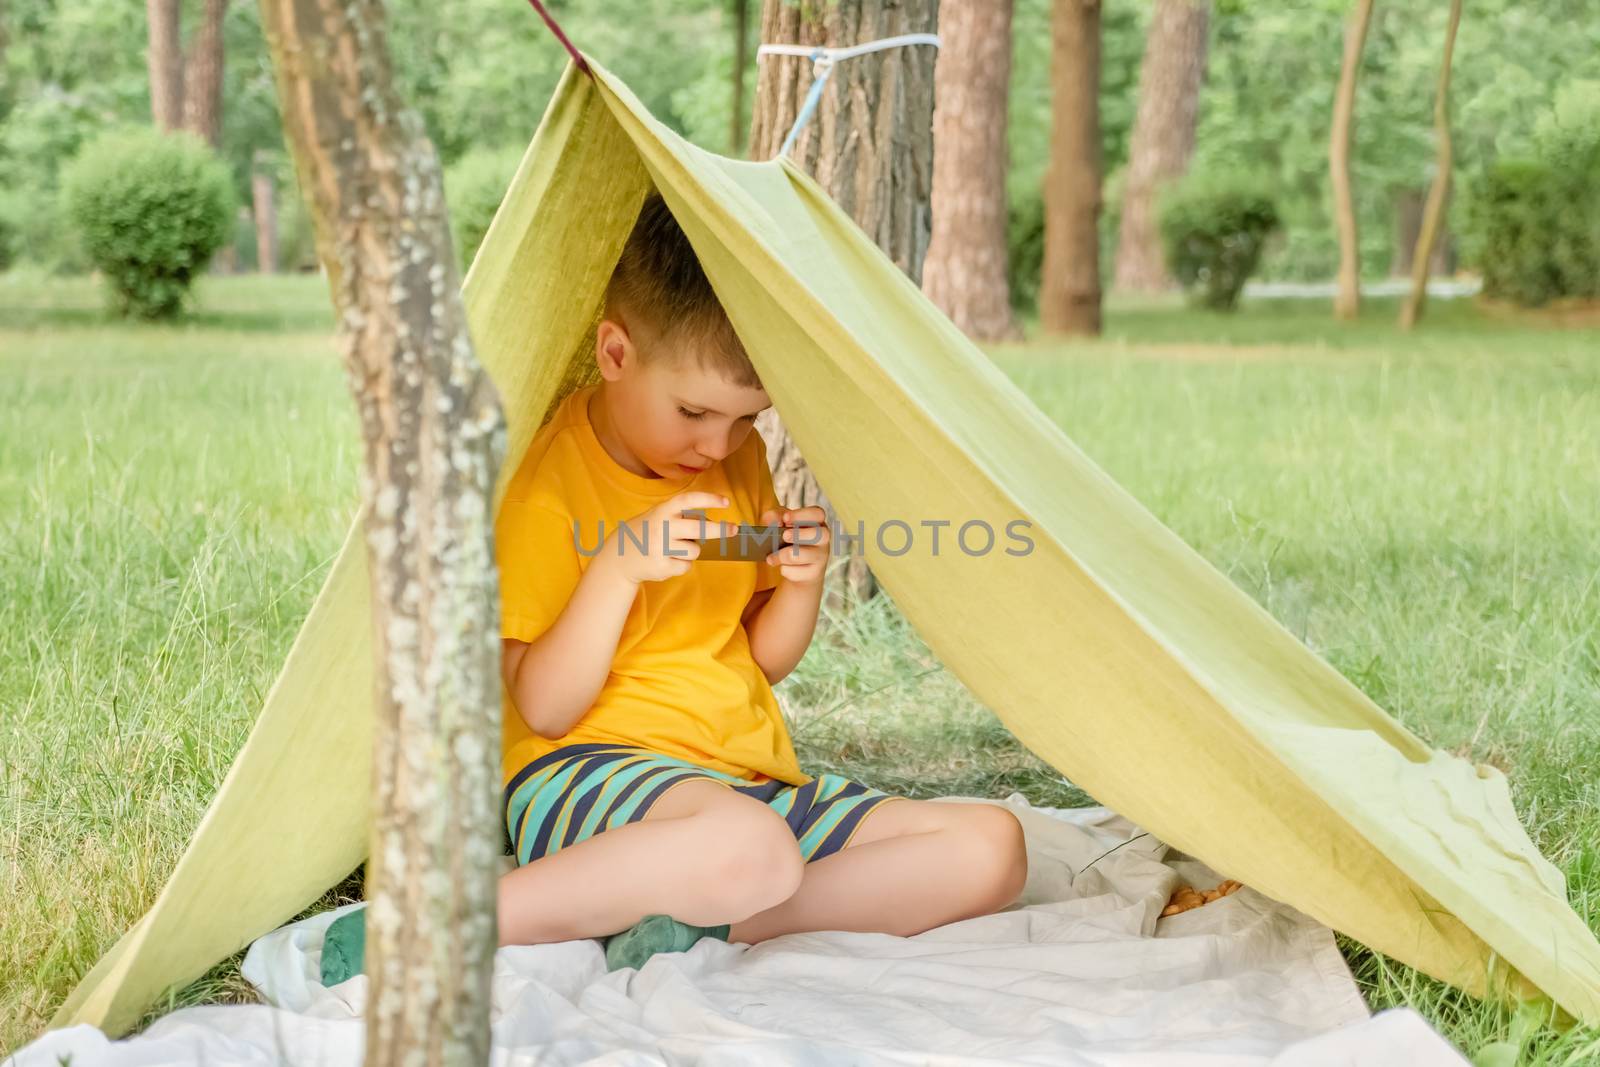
{"points": [[741, 59], [433, 438], [1347, 296], [965, 269], [1422, 259], [870, 145], [264, 210], [165, 60], [202, 92], [1069, 286], [1163, 136]]}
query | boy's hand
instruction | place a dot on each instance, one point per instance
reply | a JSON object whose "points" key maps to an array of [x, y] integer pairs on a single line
{"points": [[804, 557], [670, 538]]}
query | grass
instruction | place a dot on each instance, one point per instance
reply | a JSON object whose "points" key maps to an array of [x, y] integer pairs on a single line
{"points": [[1420, 510]]}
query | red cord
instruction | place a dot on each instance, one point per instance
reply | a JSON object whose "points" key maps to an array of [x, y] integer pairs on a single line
{"points": [[577, 57]]}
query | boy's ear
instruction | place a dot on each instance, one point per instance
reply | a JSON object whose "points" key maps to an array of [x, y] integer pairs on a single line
{"points": [[611, 346]]}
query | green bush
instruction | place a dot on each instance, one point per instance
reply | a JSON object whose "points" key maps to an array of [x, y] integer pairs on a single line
{"points": [[297, 238], [473, 188], [10, 239], [1515, 210], [151, 208], [1213, 227], [37, 138], [1533, 224], [1025, 248]]}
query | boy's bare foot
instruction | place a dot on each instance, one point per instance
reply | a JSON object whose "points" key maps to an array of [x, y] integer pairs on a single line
{"points": [[1188, 898]]}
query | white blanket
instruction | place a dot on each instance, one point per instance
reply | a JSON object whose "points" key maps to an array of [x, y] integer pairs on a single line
{"points": [[1078, 972]]}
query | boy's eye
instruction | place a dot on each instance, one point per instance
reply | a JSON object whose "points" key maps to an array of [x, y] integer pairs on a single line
{"points": [[686, 413]]}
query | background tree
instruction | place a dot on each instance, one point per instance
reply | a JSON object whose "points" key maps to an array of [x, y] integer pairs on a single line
{"points": [[870, 146], [741, 60], [965, 269], [186, 90], [1069, 290], [1347, 298], [165, 58], [264, 212], [1163, 135], [433, 436], [72, 70], [1433, 214], [202, 75]]}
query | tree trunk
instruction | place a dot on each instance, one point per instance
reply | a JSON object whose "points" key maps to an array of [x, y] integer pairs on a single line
{"points": [[1069, 286], [965, 269], [741, 59], [433, 438], [202, 93], [1347, 297], [264, 209], [165, 60], [1163, 136], [1433, 213], [870, 145]]}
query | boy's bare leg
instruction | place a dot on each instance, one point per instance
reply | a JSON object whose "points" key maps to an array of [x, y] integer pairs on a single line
{"points": [[911, 866], [703, 854]]}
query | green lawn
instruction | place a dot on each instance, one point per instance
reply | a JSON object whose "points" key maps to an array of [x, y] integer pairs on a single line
{"points": [[1423, 511]]}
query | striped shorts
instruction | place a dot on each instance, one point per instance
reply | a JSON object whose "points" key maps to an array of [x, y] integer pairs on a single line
{"points": [[575, 792]]}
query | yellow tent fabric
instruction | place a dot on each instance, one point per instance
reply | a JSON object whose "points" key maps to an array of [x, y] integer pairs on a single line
{"points": [[1111, 648]]}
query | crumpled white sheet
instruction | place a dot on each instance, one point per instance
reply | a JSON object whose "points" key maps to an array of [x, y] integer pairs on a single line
{"points": [[1078, 972]]}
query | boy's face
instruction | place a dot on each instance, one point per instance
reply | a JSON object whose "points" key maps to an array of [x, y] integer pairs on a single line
{"points": [[675, 416]]}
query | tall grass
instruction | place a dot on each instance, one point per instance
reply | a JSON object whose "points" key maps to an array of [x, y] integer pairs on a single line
{"points": [[1422, 511]]}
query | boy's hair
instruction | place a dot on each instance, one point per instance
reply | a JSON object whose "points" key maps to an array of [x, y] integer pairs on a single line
{"points": [[659, 282]]}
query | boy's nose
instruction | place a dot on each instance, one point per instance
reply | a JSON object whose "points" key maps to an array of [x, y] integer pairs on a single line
{"points": [[717, 447]]}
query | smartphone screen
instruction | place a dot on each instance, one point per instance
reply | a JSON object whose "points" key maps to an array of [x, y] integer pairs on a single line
{"points": [[751, 544]]}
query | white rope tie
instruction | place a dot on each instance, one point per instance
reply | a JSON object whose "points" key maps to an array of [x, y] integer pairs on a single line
{"points": [[822, 61]]}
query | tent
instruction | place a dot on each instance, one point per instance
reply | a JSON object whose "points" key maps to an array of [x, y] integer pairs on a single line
{"points": [[1111, 648]]}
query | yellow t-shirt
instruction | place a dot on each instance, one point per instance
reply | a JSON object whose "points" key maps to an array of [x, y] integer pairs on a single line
{"points": [[683, 682]]}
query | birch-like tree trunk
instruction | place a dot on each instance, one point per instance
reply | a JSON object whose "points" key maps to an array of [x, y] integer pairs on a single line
{"points": [[965, 270], [165, 61], [1069, 284], [202, 89], [433, 434], [870, 145], [1433, 213], [1347, 296], [1174, 65]]}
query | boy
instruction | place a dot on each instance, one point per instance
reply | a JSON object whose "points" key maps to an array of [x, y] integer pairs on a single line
{"points": [[652, 791]]}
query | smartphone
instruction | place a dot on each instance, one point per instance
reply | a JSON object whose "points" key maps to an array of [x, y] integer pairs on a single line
{"points": [[752, 544]]}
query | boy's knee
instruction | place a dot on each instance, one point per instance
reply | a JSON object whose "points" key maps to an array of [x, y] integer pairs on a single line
{"points": [[1000, 854], [751, 861]]}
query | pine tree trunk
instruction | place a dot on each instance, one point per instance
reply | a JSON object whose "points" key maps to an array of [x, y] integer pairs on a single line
{"points": [[741, 59], [1069, 286], [165, 60], [433, 436], [1433, 214], [1347, 297], [1163, 136], [202, 95], [870, 146], [965, 269], [264, 210]]}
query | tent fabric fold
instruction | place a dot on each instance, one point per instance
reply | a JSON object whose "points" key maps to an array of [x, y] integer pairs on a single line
{"points": [[1108, 647]]}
